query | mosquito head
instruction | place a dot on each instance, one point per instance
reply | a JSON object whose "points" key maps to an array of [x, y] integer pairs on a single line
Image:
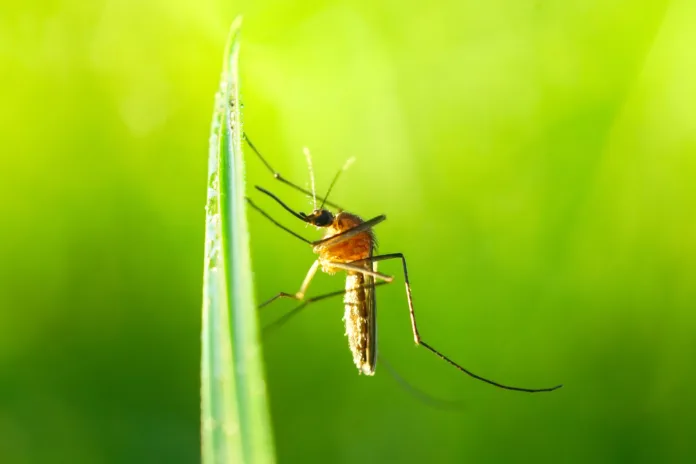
{"points": [[319, 218]]}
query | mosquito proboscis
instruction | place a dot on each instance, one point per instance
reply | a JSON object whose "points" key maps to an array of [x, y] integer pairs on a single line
{"points": [[349, 245]]}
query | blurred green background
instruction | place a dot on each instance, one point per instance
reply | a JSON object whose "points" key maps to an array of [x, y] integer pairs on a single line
{"points": [[536, 161]]}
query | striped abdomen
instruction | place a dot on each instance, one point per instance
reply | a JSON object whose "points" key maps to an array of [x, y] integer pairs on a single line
{"points": [[360, 319]]}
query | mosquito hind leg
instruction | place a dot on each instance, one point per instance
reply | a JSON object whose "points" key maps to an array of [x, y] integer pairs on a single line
{"points": [[416, 336]]}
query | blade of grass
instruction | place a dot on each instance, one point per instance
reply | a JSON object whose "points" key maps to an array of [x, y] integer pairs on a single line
{"points": [[235, 421]]}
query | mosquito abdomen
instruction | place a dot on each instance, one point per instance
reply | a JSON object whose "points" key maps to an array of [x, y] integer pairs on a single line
{"points": [[360, 319]]}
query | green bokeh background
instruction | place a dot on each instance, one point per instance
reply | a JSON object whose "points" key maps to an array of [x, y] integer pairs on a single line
{"points": [[536, 161]]}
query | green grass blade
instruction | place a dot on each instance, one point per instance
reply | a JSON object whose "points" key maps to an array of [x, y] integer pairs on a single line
{"points": [[235, 421]]}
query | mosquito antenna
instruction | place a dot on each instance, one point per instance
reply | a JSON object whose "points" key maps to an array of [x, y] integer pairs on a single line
{"points": [[305, 150], [333, 182], [278, 176], [263, 160]]}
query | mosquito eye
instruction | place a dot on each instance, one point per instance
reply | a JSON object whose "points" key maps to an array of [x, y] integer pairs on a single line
{"points": [[324, 219]]}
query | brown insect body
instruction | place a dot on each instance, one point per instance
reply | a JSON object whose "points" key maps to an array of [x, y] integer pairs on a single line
{"points": [[359, 299], [349, 245], [354, 249]]}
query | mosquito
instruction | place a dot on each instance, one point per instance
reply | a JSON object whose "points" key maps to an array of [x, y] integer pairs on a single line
{"points": [[349, 245]]}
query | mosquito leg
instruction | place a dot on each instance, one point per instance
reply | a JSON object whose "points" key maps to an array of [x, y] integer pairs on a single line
{"points": [[303, 288], [416, 336], [268, 216], [285, 318], [308, 278], [278, 176], [355, 268]]}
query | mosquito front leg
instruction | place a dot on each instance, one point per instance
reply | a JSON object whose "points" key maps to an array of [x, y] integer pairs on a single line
{"points": [[308, 278], [268, 216], [278, 176], [303, 288], [295, 311]]}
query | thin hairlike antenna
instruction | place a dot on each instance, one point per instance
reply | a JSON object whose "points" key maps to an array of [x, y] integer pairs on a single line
{"points": [[305, 150], [278, 176], [333, 182]]}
